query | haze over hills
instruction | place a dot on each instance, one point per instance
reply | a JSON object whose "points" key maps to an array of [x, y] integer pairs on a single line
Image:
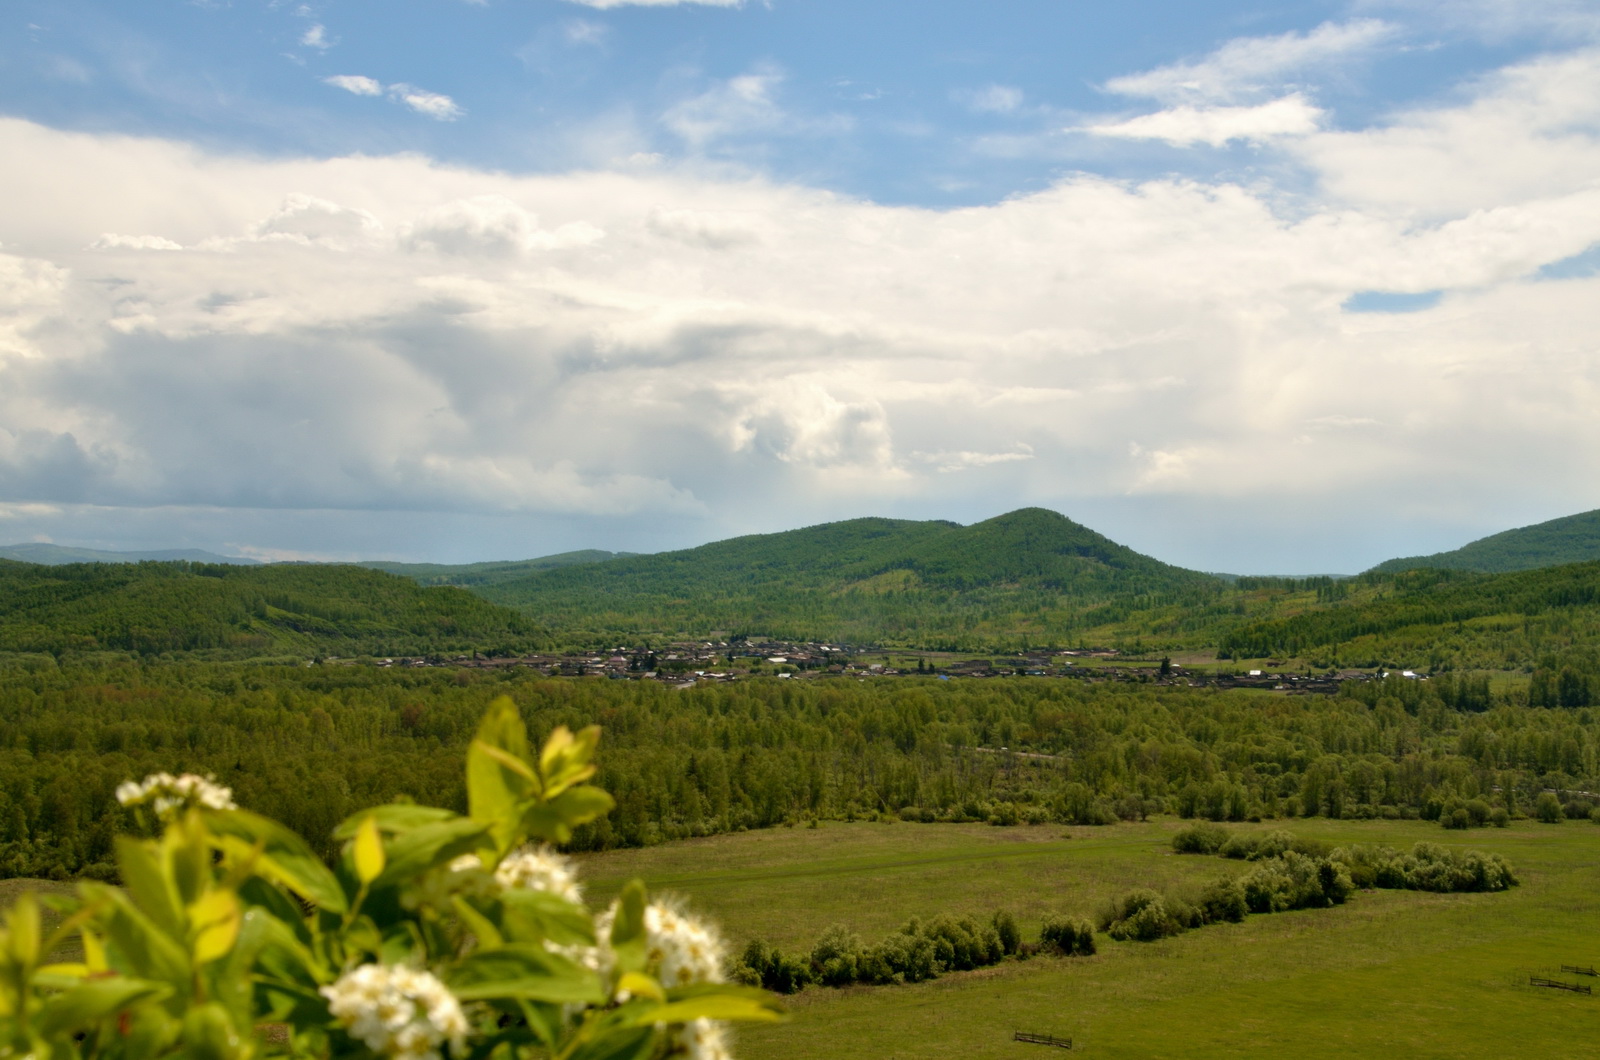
{"points": [[39, 552], [1028, 573], [1569, 539]]}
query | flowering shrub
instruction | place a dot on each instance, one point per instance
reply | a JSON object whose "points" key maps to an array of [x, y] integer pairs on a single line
{"points": [[435, 935]]}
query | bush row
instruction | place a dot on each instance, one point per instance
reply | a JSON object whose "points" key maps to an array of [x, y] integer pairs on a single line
{"points": [[921, 949]]}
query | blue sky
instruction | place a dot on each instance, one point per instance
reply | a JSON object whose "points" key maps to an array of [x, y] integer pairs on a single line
{"points": [[1248, 286]]}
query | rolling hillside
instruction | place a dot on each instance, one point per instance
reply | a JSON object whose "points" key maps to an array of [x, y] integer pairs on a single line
{"points": [[491, 571], [1030, 575], [150, 608], [1570, 539]]}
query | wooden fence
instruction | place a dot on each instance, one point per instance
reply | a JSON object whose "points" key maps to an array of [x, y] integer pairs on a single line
{"points": [[1042, 1039], [1575, 970], [1555, 984]]}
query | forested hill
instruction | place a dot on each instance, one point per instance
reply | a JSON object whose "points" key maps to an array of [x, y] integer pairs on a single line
{"points": [[1571, 539], [302, 610], [1435, 620], [1031, 574], [486, 573]]}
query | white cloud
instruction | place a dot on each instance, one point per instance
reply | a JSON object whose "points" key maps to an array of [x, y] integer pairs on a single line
{"points": [[316, 36], [361, 86], [741, 104], [491, 226], [1186, 125], [382, 335], [433, 104], [113, 241], [1251, 65]]}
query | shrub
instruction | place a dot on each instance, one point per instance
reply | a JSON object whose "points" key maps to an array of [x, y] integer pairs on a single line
{"points": [[1547, 808], [1499, 817], [1457, 819], [1575, 810], [1140, 915], [1254, 846], [1223, 900], [1068, 936], [1428, 867], [1199, 839], [1295, 881], [836, 957], [1005, 926]]}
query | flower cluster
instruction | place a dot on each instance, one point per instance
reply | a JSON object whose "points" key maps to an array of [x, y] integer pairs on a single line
{"points": [[398, 1011], [539, 869], [169, 795], [702, 1040], [681, 949]]}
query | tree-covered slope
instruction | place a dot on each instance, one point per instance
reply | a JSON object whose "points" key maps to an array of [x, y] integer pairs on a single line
{"points": [[1438, 619], [1032, 574], [490, 571], [278, 609], [1571, 539]]}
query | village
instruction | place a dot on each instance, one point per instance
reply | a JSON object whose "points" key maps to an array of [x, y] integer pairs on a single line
{"points": [[684, 664]]}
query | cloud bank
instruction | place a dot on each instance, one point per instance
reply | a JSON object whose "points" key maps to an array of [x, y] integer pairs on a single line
{"points": [[187, 332]]}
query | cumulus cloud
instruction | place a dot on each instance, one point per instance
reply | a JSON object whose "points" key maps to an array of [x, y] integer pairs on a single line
{"points": [[316, 36], [435, 105], [359, 85], [1251, 65], [114, 241], [1185, 125], [380, 335]]}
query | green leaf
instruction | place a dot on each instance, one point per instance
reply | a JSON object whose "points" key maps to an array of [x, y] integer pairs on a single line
{"points": [[94, 1000], [499, 778], [628, 1043], [715, 1003], [524, 972], [554, 821], [149, 885], [566, 759], [393, 817], [532, 916], [22, 932], [627, 930], [368, 851], [415, 852], [142, 945], [286, 858]]}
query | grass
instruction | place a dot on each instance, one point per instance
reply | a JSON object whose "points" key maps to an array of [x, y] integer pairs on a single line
{"points": [[1390, 973]]}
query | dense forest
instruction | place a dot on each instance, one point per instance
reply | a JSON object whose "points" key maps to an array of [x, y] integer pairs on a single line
{"points": [[309, 745], [278, 610]]}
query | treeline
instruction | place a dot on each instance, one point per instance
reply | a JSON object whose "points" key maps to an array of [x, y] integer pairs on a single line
{"points": [[239, 611], [918, 951], [311, 744]]}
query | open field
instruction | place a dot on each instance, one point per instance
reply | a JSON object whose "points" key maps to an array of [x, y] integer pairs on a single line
{"points": [[1389, 974]]}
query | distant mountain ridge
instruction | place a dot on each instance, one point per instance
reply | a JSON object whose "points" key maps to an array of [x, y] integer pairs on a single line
{"points": [[1570, 539], [1026, 573], [54, 555], [489, 571]]}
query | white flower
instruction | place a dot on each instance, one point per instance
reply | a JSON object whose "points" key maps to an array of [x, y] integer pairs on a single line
{"points": [[398, 1011], [680, 949], [539, 869], [702, 1040], [169, 795]]}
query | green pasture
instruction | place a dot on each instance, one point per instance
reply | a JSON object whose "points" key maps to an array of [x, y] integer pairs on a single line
{"points": [[1389, 974]]}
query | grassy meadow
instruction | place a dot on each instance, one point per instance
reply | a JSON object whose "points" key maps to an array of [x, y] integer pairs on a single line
{"points": [[1391, 973]]}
